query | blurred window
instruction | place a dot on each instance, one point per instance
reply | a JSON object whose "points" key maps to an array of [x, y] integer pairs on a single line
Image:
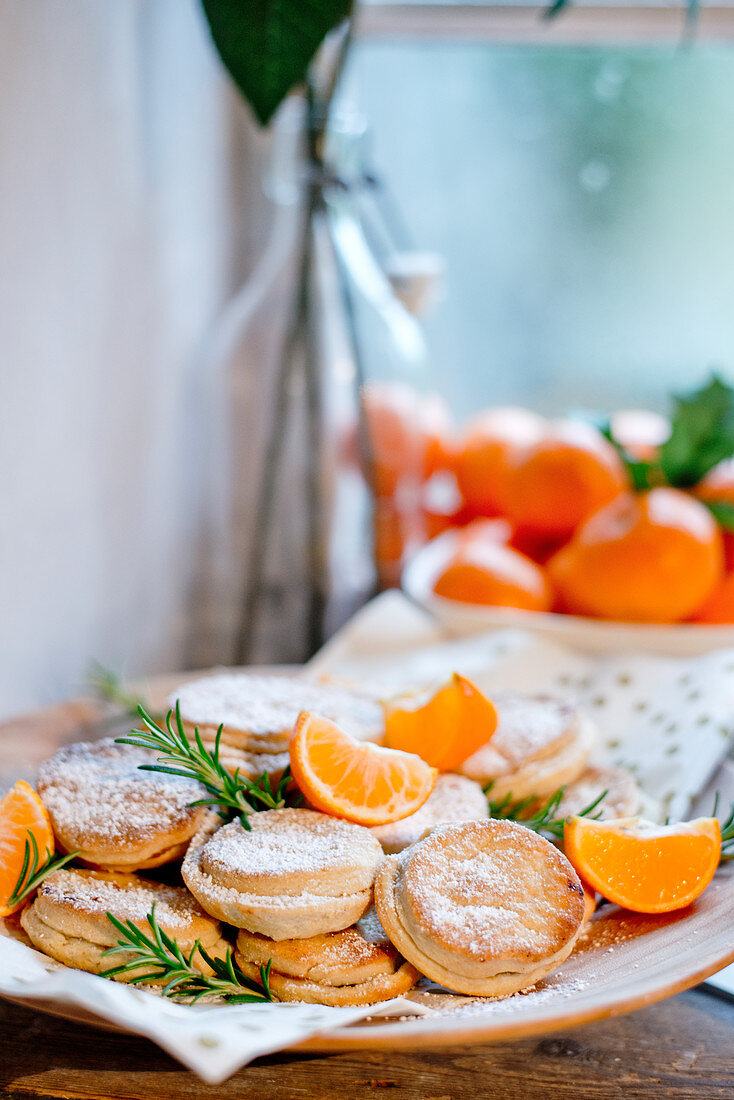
{"points": [[581, 192]]}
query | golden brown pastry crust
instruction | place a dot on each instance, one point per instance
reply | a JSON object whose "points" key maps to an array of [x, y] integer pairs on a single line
{"points": [[68, 918], [454, 798], [483, 907], [258, 712], [115, 815], [295, 874], [541, 743]]}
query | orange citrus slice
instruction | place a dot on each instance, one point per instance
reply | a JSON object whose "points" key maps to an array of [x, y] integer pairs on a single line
{"points": [[21, 812], [447, 729], [354, 779], [644, 867]]}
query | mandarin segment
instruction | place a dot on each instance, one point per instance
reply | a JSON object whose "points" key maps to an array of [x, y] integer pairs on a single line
{"points": [[644, 867], [360, 782], [21, 812], [445, 730]]}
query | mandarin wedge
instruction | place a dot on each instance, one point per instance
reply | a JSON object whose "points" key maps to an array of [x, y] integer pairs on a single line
{"points": [[355, 780], [21, 812], [641, 866], [446, 730]]}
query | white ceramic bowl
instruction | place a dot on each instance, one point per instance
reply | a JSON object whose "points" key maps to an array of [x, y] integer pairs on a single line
{"points": [[590, 635]]}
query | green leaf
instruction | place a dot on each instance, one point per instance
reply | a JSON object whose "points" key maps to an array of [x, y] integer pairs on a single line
{"points": [[267, 45], [555, 8], [702, 433], [723, 513]]}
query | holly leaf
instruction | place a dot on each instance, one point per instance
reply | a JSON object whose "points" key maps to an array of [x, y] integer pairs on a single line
{"points": [[702, 433], [267, 45], [723, 513]]}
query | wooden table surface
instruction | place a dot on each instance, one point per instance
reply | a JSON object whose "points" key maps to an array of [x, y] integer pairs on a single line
{"points": [[682, 1047]]}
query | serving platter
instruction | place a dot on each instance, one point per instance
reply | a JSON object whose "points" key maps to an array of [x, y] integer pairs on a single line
{"points": [[623, 961], [591, 635]]}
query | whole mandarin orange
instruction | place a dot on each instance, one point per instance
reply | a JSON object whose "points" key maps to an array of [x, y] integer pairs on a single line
{"points": [[409, 435], [437, 428], [442, 504], [718, 486], [719, 607], [396, 442], [490, 573], [718, 483], [484, 454], [654, 557], [486, 530], [556, 483], [640, 432]]}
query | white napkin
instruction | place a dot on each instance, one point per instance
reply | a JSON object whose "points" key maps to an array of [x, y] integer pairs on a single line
{"points": [[668, 719]]}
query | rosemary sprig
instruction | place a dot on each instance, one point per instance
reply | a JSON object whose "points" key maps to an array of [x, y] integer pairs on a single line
{"points": [[231, 794], [162, 958], [32, 872], [107, 685], [727, 831], [545, 820]]}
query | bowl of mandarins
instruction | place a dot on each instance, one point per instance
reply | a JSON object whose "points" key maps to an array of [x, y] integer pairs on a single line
{"points": [[613, 534]]}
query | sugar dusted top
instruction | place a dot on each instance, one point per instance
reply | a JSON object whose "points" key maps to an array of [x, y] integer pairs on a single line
{"points": [[529, 727], [97, 795], [292, 851], [491, 890], [125, 896], [454, 798], [263, 705]]}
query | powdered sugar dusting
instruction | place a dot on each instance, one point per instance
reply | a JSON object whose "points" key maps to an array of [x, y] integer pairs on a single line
{"points": [[291, 842], [96, 793], [528, 727], [454, 798], [270, 705], [491, 892], [442, 1002], [126, 897]]}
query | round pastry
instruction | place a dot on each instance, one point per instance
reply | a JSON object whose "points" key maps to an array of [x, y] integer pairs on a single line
{"points": [[259, 712], [293, 874], [454, 798], [357, 966], [621, 800], [540, 744], [68, 919], [115, 815], [483, 907]]}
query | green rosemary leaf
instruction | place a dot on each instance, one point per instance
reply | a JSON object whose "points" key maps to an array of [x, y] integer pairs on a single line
{"points": [[545, 820], [33, 871], [232, 795], [107, 685], [159, 956], [727, 832]]}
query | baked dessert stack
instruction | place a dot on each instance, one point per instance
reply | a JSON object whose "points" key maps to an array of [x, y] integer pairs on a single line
{"points": [[482, 906], [258, 713]]}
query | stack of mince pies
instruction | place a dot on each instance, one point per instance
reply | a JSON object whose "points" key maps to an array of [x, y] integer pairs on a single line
{"points": [[344, 914]]}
